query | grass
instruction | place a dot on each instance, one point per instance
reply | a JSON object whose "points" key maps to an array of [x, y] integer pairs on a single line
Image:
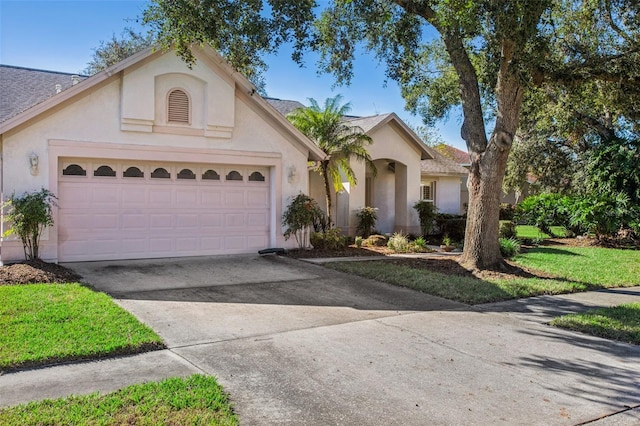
{"points": [[575, 269], [617, 323], [532, 232], [47, 323], [195, 400], [595, 266]]}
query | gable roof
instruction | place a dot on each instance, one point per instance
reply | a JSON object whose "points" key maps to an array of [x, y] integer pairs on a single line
{"points": [[22, 88], [32, 106]]}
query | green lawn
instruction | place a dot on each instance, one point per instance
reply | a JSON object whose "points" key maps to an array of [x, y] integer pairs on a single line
{"points": [[196, 400], [47, 323], [595, 266], [576, 269], [618, 323], [531, 232]]}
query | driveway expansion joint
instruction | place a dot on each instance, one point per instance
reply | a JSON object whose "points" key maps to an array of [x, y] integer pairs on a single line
{"points": [[607, 416]]}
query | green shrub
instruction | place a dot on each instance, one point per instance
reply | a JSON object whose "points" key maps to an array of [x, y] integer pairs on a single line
{"points": [[507, 229], [452, 225], [29, 215], [420, 245], [367, 217], [375, 241], [604, 215], [399, 243], [426, 214], [509, 247], [546, 210], [301, 214], [331, 239], [358, 241]]}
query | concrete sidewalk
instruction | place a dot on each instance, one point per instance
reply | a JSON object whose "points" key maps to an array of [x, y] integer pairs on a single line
{"points": [[314, 346]]}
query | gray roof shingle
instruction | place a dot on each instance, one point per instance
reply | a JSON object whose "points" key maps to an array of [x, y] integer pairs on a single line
{"points": [[284, 106], [368, 123], [440, 165], [22, 88]]}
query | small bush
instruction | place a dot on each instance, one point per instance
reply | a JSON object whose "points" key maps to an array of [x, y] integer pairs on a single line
{"points": [[507, 229], [399, 243], [301, 214], [547, 210], [426, 215], [29, 215], [358, 241], [375, 240], [367, 217], [509, 247], [329, 240], [419, 245]]}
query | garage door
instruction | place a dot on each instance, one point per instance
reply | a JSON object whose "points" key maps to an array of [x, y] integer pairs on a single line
{"points": [[128, 210]]}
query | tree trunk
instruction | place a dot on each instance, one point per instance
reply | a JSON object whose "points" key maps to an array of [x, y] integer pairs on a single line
{"points": [[324, 168], [488, 166], [481, 247]]}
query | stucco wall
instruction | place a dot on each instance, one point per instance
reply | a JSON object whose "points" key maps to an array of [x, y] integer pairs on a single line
{"points": [[95, 117], [447, 193], [390, 144]]}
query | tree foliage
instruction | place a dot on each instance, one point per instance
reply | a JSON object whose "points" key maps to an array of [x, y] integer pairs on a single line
{"points": [[342, 141], [115, 50], [29, 214], [486, 56]]}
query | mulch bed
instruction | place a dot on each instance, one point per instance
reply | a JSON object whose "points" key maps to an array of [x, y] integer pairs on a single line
{"points": [[36, 271], [447, 265], [351, 251]]}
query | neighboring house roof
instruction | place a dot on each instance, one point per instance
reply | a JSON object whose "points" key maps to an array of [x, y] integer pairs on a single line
{"points": [[21, 88], [440, 165], [459, 156], [284, 106], [368, 124], [24, 107]]}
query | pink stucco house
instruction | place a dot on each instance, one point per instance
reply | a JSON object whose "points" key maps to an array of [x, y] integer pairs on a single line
{"points": [[152, 159]]}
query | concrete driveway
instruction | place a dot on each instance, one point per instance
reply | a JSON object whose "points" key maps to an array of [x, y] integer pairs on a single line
{"points": [[295, 343]]}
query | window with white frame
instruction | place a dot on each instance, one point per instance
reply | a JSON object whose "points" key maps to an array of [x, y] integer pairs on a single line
{"points": [[428, 191]]}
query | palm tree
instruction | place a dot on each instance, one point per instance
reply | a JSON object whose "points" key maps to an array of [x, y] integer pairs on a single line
{"points": [[341, 141]]}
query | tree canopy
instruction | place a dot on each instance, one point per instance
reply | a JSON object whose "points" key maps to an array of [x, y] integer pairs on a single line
{"points": [[487, 56], [115, 50]]}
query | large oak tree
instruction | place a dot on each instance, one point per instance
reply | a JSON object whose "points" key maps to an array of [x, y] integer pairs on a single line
{"points": [[484, 55]]}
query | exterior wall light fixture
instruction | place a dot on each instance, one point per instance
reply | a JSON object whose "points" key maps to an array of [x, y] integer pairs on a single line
{"points": [[33, 162]]}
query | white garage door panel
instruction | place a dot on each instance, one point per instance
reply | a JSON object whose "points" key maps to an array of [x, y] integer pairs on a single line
{"points": [[126, 218]]}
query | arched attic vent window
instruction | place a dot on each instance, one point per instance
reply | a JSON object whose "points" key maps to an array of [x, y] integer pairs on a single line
{"points": [[178, 107]]}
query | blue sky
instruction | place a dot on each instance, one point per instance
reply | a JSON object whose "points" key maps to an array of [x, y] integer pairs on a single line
{"points": [[61, 35]]}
